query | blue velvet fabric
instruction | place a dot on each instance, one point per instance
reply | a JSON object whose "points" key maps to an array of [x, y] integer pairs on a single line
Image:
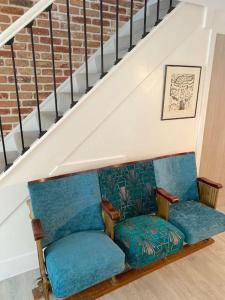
{"points": [[177, 175], [196, 220], [130, 188], [66, 205], [145, 239], [81, 260]]}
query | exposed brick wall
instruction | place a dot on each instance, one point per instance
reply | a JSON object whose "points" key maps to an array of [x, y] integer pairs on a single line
{"points": [[10, 10]]}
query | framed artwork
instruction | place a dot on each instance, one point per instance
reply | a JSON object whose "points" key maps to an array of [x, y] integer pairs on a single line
{"points": [[181, 88]]}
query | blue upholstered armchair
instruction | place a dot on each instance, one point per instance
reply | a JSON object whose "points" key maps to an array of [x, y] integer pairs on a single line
{"points": [[129, 207], [74, 252], [185, 201]]}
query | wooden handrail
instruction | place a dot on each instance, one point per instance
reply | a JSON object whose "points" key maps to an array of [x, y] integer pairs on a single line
{"points": [[23, 21]]}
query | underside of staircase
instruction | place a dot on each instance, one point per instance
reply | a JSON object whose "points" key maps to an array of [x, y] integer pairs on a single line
{"points": [[67, 96], [118, 120]]}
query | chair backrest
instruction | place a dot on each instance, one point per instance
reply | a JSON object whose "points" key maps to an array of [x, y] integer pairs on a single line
{"points": [[177, 174], [66, 205], [130, 188]]}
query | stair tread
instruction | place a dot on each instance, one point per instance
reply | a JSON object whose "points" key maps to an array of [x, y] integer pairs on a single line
{"points": [[75, 94], [90, 75], [112, 53]]}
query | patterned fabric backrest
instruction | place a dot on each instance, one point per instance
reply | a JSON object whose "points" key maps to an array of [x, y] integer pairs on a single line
{"points": [[130, 188], [178, 175], [67, 205]]}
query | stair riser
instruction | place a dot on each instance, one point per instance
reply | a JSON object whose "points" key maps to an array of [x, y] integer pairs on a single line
{"points": [[80, 81], [109, 60], [29, 138]]}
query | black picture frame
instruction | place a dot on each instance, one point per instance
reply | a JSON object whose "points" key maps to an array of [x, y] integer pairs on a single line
{"points": [[165, 88]]}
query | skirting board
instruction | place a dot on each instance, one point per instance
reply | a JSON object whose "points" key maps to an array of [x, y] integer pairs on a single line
{"points": [[110, 285], [18, 265]]}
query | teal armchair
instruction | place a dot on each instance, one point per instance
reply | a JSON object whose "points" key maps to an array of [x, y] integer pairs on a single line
{"points": [[129, 210], [186, 201], [74, 251]]}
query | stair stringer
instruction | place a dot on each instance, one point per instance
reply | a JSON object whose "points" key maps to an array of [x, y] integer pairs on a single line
{"points": [[52, 150]]}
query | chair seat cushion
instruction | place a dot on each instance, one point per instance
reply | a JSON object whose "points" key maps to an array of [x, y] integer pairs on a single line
{"points": [[196, 220], [147, 238], [81, 260]]}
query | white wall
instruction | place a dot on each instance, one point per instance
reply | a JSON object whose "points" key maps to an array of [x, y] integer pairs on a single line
{"points": [[118, 121], [17, 248], [135, 130], [106, 98]]}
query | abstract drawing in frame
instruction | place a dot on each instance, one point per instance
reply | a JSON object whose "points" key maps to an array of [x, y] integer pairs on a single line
{"points": [[181, 88]]}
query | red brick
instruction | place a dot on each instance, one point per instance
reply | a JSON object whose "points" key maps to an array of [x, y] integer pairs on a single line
{"points": [[10, 119], [7, 127], [3, 96], [7, 103], [4, 111], [11, 10], [26, 3], [5, 53], [4, 19], [29, 103]]}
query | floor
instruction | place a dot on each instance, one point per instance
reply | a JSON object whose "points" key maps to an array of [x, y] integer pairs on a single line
{"points": [[200, 276]]}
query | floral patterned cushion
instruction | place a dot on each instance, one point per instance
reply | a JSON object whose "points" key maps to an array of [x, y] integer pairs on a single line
{"points": [[130, 188], [145, 239]]}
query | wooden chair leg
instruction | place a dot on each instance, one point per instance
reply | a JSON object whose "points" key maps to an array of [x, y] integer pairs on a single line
{"points": [[42, 290], [46, 291], [114, 280]]}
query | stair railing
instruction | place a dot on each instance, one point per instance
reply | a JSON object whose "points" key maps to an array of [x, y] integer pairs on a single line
{"points": [[7, 38], [28, 21]]}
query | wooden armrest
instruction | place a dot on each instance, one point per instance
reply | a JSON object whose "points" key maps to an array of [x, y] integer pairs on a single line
{"points": [[112, 212], [37, 229], [208, 191], [169, 197], [210, 182]]}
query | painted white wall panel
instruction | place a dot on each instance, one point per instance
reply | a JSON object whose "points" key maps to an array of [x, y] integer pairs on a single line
{"points": [[17, 247]]}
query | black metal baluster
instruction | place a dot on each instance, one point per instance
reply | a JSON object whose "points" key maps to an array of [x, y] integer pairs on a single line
{"points": [[131, 25], [145, 20], [85, 45], [3, 146], [30, 26], [70, 54], [171, 6], [117, 33], [102, 41], [53, 63], [24, 149], [158, 20]]}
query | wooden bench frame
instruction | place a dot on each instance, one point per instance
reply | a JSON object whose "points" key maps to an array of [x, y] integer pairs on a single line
{"points": [[110, 216]]}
